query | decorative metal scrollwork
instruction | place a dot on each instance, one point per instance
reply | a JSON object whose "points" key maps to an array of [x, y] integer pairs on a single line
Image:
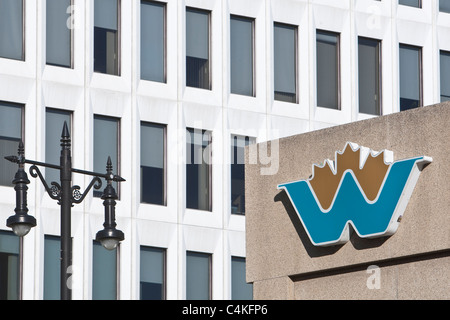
{"points": [[78, 197], [55, 191], [76, 193]]}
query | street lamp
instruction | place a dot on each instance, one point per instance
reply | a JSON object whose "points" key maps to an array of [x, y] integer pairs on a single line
{"points": [[21, 223], [66, 195], [109, 237]]}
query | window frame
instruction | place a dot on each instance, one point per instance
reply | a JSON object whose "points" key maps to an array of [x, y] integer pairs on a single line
{"points": [[117, 169], [117, 266], [296, 66], [56, 110], [441, 10], [51, 237], [119, 41], [164, 5], [210, 270], [72, 41], [253, 44], [209, 13], [338, 68], [19, 256], [210, 167], [22, 131], [441, 54], [164, 267], [251, 140], [164, 186], [23, 53], [380, 74], [420, 70], [233, 260], [407, 5]]}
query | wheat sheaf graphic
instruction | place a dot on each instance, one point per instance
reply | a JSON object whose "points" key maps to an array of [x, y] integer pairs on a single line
{"points": [[361, 188]]}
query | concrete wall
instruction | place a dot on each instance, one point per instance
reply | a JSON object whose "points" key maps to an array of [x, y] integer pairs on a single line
{"points": [[414, 263]]}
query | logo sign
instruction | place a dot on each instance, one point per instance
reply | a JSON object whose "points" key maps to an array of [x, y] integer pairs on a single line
{"points": [[361, 187]]}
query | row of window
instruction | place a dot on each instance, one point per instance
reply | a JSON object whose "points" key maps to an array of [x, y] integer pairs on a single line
{"points": [[153, 272], [59, 37], [153, 156], [444, 5]]}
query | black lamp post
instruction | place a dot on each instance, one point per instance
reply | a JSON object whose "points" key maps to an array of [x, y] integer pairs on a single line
{"points": [[66, 195]]}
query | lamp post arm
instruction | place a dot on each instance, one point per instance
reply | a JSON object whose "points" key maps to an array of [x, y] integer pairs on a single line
{"points": [[18, 160]]}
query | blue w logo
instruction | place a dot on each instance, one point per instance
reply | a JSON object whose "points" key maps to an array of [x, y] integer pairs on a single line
{"points": [[350, 205]]}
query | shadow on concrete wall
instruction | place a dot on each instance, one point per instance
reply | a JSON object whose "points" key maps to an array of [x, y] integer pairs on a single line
{"points": [[314, 251]]}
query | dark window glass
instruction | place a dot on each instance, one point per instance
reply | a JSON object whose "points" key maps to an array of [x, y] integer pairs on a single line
{"points": [[241, 55], [369, 56], [152, 283], [9, 266], [54, 122], [240, 289], [328, 70], [198, 276], [411, 3], [238, 144], [104, 273], [410, 77], [11, 29], [285, 62], [106, 144], [106, 36], [10, 136], [153, 186], [198, 170], [444, 6], [58, 33], [445, 76], [197, 49], [52, 268], [153, 41]]}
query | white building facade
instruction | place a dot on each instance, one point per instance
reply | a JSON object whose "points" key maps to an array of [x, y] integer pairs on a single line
{"points": [[217, 69]]}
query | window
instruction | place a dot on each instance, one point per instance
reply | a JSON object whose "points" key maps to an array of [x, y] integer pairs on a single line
{"points": [[153, 41], [411, 3], [369, 68], [410, 77], [241, 55], [52, 268], [11, 124], [153, 275], [328, 64], [9, 266], [54, 122], [58, 33], [106, 36], [198, 68], [240, 289], [153, 163], [106, 144], [198, 170], [444, 6], [285, 62], [238, 144], [198, 276], [11, 29], [445, 76], [104, 273]]}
